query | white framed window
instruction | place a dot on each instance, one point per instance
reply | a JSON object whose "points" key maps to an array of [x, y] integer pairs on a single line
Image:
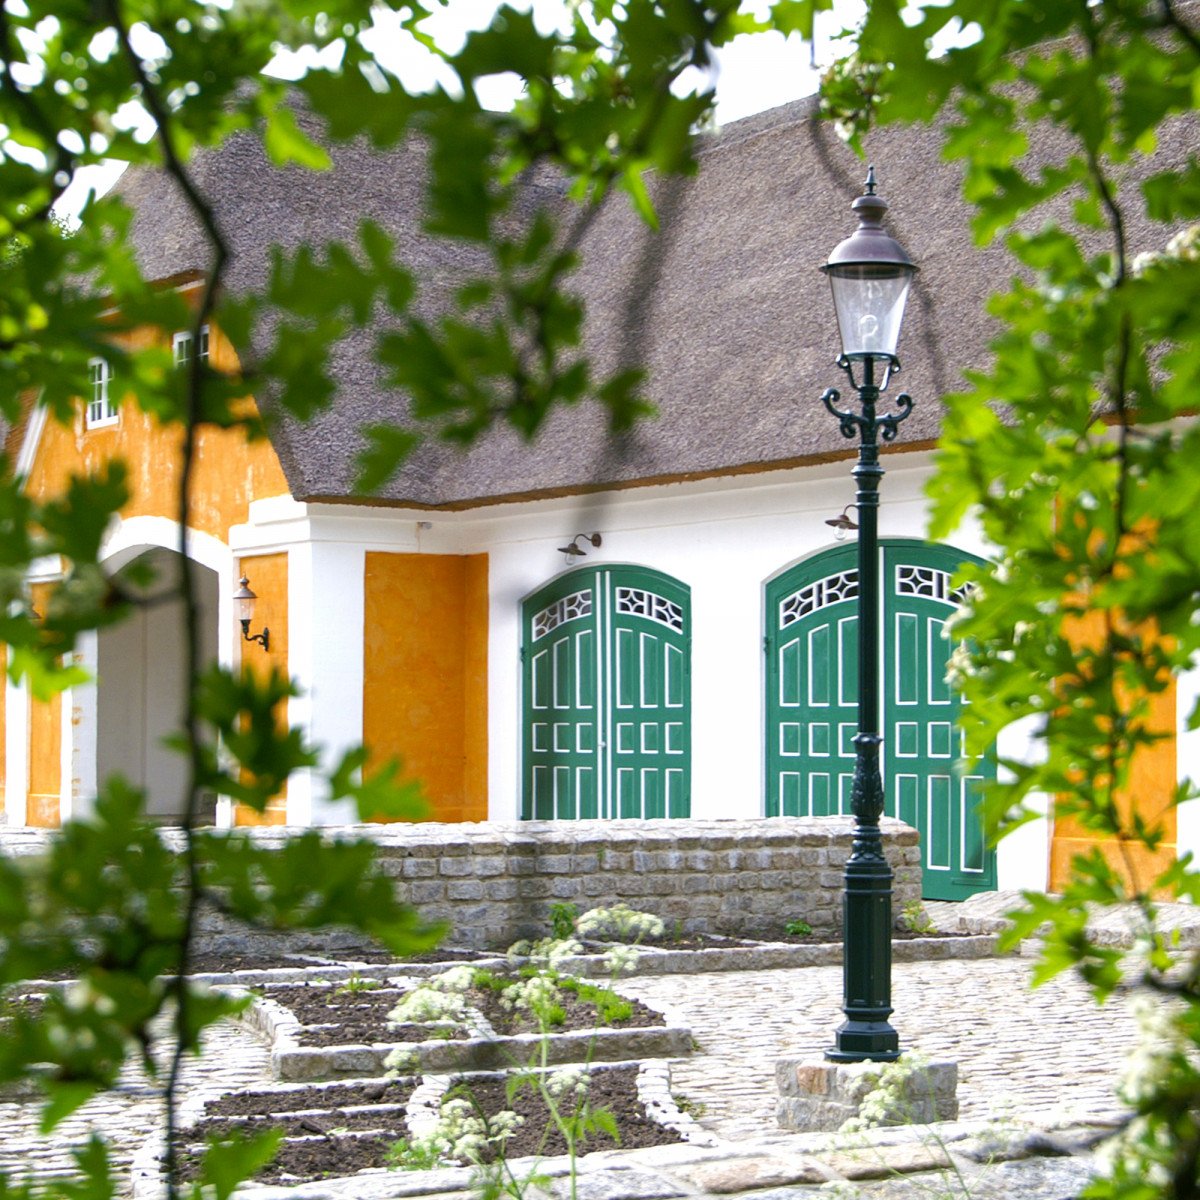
{"points": [[101, 409], [182, 345]]}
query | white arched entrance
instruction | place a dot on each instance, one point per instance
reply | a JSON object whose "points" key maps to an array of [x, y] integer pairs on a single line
{"points": [[141, 682]]}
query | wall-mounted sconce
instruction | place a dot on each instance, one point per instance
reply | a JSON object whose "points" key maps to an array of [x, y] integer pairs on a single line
{"points": [[574, 550], [243, 606], [843, 522]]}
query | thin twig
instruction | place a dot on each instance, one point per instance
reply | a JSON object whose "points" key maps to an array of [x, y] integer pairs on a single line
{"points": [[220, 254]]}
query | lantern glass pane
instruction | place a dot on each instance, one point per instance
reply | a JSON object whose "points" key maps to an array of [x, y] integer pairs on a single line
{"points": [[243, 607], [869, 299]]}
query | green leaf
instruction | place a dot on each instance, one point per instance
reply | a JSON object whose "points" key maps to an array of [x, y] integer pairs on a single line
{"points": [[235, 1160], [389, 447], [63, 1098], [286, 143]]}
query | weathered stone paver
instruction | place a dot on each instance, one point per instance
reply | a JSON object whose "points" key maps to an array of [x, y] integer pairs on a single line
{"points": [[1045, 1055]]}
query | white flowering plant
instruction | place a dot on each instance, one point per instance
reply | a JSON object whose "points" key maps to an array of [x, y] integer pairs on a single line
{"points": [[620, 923], [537, 989], [461, 1134]]}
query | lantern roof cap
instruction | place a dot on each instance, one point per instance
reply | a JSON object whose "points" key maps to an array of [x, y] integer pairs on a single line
{"points": [[870, 244]]}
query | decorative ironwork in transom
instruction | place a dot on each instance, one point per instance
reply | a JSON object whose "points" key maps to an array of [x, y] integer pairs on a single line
{"points": [[654, 608], [824, 592], [930, 583], [569, 608]]}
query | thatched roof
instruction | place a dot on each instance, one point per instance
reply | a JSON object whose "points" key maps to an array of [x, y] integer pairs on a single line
{"points": [[725, 305]]}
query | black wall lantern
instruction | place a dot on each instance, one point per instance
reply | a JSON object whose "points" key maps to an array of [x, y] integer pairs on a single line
{"points": [[243, 606]]}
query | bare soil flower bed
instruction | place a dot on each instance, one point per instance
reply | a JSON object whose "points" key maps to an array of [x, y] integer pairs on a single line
{"points": [[319, 1149], [318, 1158], [826, 938], [335, 1095], [577, 1014], [614, 1089], [673, 941], [335, 1016]]}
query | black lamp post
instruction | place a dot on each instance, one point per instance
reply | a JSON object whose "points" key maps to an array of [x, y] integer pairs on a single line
{"points": [[870, 274]]}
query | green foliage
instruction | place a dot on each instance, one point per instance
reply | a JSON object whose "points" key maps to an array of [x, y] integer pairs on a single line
{"points": [[562, 920], [111, 905], [611, 1008], [1068, 448], [235, 1159], [798, 928], [915, 919], [356, 983]]}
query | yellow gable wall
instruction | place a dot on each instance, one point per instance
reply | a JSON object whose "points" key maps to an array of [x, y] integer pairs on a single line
{"points": [[425, 675], [229, 473], [3, 726], [45, 744]]}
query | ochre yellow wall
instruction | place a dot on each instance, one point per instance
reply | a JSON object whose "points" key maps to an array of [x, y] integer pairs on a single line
{"points": [[45, 745], [268, 576], [3, 726], [1153, 779], [425, 675], [229, 471]]}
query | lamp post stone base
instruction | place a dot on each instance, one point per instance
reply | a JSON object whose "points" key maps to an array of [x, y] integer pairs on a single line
{"points": [[823, 1096]]}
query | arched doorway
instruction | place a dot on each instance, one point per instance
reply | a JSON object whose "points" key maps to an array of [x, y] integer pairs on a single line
{"points": [[141, 685], [607, 706], [812, 699]]}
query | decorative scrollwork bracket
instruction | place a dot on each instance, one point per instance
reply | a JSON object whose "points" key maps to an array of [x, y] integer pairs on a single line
{"points": [[851, 423]]}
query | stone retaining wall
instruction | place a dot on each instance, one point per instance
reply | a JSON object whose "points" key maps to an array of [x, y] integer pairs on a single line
{"points": [[494, 882]]}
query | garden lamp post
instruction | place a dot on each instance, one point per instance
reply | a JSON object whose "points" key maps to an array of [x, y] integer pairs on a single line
{"points": [[870, 274]]}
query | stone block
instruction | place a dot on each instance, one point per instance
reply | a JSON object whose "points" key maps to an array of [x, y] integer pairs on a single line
{"points": [[500, 889], [564, 888], [425, 891], [464, 889], [553, 864], [533, 888], [455, 867], [822, 1096], [418, 868], [743, 1173], [487, 865]]}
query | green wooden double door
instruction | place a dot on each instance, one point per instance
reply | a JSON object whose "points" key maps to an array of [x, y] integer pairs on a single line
{"points": [[812, 699], [607, 696]]}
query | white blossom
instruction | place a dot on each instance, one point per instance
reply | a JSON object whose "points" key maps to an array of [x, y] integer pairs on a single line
{"points": [[567, 1080], [463, 1135], [621, 959], [620, 921]]}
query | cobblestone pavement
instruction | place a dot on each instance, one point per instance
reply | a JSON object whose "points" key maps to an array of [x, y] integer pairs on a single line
{"points": [[127, 1117], [1046, 1055], [1046, 1059]]}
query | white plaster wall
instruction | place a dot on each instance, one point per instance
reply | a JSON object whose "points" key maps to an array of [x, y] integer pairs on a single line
{"points": [[723, 538]]}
